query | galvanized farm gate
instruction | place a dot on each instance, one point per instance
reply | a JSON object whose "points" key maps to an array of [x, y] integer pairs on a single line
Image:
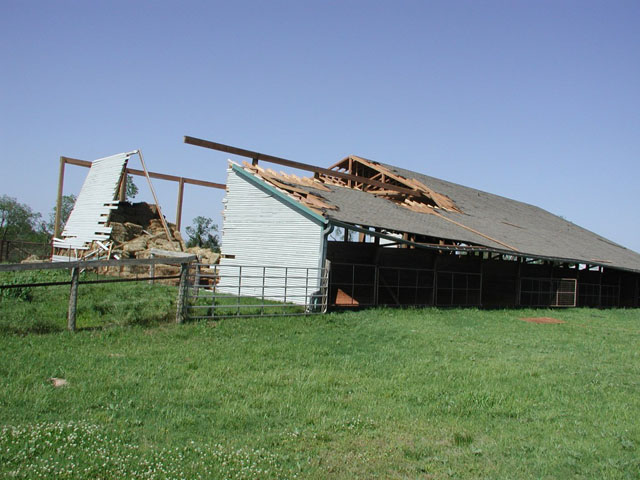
{"points": [[221, 291]]}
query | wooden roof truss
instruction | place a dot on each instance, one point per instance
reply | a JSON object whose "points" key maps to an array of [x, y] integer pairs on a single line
{"points": [[295, 186], [420, 198]]}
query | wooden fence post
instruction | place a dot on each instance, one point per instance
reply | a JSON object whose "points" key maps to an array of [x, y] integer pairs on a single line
{"points": [[152, 270], [181, 307], [73, 299]]}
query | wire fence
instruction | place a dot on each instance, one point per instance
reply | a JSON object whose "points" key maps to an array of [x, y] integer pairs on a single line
{"points": [[15, 251], [221, 291], [548, 292], [98, 266], [360, 285]]}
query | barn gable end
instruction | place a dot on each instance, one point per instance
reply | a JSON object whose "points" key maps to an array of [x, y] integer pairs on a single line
{"points": [[264, 228]]}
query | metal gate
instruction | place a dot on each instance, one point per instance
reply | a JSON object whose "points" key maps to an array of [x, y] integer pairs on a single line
{"points": [[548, 292], [222, 291]]}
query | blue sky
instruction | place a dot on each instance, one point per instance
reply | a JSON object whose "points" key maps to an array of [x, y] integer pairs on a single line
{"points": [[538, 101]]}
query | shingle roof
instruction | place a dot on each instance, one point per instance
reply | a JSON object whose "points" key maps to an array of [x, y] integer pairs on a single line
{"points": [[530, 230]]}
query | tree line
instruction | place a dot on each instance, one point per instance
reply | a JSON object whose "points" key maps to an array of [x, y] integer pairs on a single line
{"points": [[18, 221]]}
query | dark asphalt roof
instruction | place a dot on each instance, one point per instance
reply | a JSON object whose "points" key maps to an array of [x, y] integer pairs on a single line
{"points": [[529, 229]]}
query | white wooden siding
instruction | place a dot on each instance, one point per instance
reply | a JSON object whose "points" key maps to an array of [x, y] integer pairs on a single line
{"points": [[97, 197], [262, 230]]}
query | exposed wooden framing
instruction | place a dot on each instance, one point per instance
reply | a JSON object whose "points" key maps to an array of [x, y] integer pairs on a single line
{"points": [[56, 226], [311, 200], [122, 194], [159, 176], [128, 171], [290, 163], [155, 198], [439, 199], [179, 206]]}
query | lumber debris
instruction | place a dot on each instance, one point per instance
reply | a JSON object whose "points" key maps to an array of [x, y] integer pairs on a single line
{"points": [[294, 186], [376, 179]]}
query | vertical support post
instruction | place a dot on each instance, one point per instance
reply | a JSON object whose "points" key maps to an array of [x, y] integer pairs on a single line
{"points": [[122, 192], [264, 273], [353, 281], [196, 282], [307, 299], [155, 199], [435, 280], [481, 282], [376, 285], [56, 222], [599, 287], [183, 287], [152, 270], [326, 282], [286, 277], [216, 279], [239, 289], [179, 208], [73, 299]]}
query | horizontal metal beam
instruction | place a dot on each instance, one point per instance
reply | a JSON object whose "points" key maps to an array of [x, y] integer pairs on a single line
{"points": [[160, 176], [198, 142]]}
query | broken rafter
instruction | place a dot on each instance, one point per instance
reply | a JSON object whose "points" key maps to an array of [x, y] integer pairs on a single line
{"points": [[311, 200], [420, 189], [256, 156]]}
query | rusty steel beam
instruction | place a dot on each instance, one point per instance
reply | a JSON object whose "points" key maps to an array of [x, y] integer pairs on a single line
{"points": [[256, 156]]}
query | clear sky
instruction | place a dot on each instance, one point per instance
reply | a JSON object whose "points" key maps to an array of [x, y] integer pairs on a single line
{"points": [[537, 101]]}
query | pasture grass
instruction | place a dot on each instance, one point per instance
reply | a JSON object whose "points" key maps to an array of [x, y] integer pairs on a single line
{"points": [[44, 309], [424, 393]]}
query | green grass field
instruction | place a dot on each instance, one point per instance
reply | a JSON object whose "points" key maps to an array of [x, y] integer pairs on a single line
{"points": [[373, 394]]}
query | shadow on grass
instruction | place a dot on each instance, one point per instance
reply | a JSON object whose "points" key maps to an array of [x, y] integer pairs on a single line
{"points": [[34, 328]]}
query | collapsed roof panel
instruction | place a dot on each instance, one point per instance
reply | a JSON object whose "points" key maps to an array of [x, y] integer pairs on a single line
{"points": [[97, 197]]}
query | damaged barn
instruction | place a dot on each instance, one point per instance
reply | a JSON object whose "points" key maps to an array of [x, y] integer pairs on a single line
{"points": [[389, 236]]}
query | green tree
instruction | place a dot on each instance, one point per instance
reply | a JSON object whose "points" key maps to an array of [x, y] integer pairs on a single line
{"points": [[68, 201], [17, 220], [203, 233], [131, 189]]}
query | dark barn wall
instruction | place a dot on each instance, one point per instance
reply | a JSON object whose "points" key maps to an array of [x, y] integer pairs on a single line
{"points": [[500, 282], [367, 274]]}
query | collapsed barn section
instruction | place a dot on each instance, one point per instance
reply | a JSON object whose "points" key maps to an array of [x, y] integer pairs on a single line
{"points": [[369, 234], [103, 225]]}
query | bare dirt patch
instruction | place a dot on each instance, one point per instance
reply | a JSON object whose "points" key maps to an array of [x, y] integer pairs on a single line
{"points": [[545, 320]]}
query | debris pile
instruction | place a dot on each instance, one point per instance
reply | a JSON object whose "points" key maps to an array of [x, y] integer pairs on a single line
{"points": [[136, 229], [137, 232]]}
